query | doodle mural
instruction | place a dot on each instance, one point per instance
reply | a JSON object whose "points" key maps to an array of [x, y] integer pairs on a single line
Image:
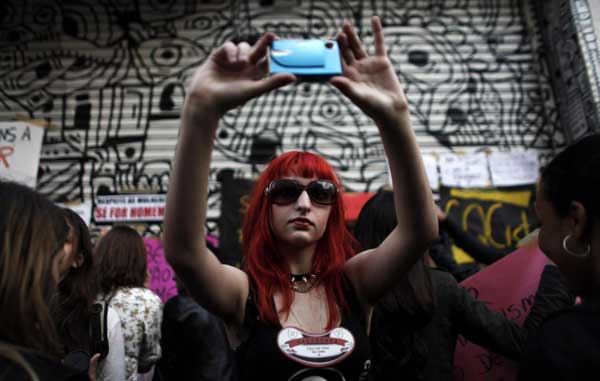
{"points": [[109, 79]]}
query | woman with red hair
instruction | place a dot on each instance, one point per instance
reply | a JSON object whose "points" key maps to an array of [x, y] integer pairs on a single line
{"points": [[301, 307]]}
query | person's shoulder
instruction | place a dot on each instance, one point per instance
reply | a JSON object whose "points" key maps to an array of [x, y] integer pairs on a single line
{"points": [[141, 294], [570, 337], [572, 320]]}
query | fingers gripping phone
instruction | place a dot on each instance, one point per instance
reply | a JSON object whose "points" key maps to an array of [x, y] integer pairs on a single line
{"points": [[309, 60]]}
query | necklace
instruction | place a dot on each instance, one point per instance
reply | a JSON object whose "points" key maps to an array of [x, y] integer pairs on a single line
{"points": [[321, 328], [303, 283]]}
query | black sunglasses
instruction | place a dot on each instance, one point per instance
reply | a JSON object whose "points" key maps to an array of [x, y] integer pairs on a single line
{"points": [[286, 191]]}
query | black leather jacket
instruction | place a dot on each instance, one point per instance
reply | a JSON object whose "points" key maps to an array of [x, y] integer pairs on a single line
{"points": [[425, 351], [194, 344]]}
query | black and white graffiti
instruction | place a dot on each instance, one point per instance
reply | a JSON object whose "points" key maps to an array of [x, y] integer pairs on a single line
{"points": [[109, 77]]}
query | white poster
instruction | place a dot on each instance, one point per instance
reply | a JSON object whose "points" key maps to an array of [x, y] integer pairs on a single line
{"points": [[130, 207], [20, 146], [516, 167], [465, 171]]}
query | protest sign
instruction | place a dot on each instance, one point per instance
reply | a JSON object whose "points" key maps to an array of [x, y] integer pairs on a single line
{"points": [[516, 167], [161, 274], [499, 218], [507, 286], [466, 171], [20, 145], [131, 207]]}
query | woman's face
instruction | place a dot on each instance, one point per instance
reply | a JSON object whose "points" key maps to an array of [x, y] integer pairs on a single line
{"points": [[301, 223], [553, 230]]}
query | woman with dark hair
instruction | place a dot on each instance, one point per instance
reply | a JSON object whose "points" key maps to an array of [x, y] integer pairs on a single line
{"points": [[301, 306], [567, 346], [72, 306], [33, 243], [122, 274], [415, 326]]}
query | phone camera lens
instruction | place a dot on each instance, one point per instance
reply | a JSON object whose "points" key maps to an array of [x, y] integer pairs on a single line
{"points": [[329, 44]]}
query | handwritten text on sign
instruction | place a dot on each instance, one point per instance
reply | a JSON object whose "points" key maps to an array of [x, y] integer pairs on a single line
{"points": [[149, 207], [20, 145], [161, 274], [466, 171], [508, 286]]}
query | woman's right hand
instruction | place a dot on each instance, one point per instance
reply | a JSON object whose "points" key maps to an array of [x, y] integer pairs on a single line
{"points": [[234, 74]]}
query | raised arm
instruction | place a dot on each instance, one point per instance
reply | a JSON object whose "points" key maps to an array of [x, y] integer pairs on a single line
{"points": [[371, 83], [230, 76]]}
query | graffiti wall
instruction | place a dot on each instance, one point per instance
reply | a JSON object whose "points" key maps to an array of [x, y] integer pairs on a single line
{"points": [[573, 54], [109, 78]]}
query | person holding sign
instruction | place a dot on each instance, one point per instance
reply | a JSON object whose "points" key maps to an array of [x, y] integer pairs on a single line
{"points": [[416, 325], [302, 305], [567, 346]]}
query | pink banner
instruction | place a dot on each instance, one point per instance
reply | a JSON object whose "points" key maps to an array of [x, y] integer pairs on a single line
{"points": [[507, 286], [161, 274]]}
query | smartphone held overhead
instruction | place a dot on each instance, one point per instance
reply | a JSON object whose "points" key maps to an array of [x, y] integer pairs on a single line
{"points": [[308, 60]]}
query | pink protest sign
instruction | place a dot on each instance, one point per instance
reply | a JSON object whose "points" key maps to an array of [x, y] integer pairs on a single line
{"points": [[508, 286], [161, 274]]}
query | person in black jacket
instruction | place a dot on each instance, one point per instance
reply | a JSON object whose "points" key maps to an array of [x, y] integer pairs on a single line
{"points": [[415, 326], [194, 343], [567, 345]]}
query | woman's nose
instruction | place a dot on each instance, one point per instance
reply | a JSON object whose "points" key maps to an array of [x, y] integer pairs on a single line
{"points": [[303, 201]]}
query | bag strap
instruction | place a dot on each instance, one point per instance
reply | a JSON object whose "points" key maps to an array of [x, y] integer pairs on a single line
{"points": [[99, 328]]}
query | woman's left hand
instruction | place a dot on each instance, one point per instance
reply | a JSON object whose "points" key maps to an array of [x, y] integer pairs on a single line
{"points": [[370, 82]]}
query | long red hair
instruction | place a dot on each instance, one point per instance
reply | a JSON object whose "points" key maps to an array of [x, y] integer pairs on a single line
{"points": [[267, 267]]}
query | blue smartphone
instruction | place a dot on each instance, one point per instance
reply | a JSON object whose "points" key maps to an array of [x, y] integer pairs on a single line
{"points": [[308, 60]]}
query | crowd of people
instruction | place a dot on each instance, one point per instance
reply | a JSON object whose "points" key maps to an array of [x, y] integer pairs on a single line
{"points": [[370, 298]]}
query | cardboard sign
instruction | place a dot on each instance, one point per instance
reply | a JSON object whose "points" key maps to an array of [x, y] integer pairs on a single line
{"points": [[161, 274], [20, 146], [148, 207], [508, 286]]}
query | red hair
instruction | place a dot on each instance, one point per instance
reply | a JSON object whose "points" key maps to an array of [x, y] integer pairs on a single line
{"points": [[267, 267]]}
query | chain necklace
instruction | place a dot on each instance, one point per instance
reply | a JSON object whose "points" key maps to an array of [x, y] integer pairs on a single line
{"points": [[303, 283], [321, 328]]}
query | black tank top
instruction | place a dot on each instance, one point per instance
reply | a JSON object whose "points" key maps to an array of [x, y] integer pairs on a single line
{"points": [[270, 352]]}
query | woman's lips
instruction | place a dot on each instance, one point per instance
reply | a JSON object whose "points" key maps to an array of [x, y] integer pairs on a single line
{"points": [[301, 222]]}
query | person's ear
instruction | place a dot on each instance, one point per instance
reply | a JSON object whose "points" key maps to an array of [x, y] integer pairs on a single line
{"points": [[78, 262], [578, 221]]}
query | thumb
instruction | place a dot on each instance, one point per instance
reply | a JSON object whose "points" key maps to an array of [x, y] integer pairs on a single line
{"points": [[273, 82], [345, 86], [93, 367]]}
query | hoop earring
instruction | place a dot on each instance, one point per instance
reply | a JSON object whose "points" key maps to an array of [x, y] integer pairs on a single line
{"points": [[578, 255]]}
